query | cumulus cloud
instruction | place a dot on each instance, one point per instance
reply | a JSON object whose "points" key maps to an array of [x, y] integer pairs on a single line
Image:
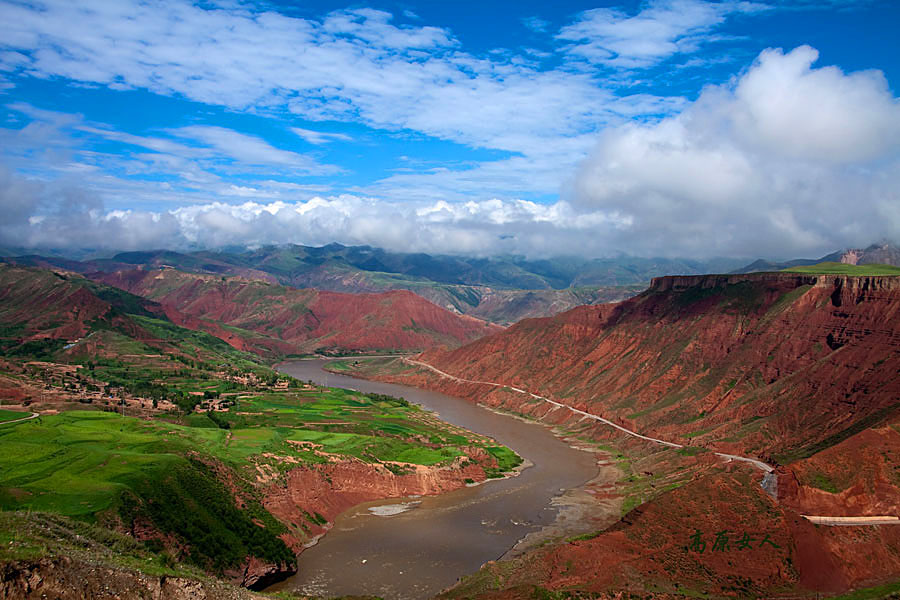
{"points": [[56, 216], [788, 158]]}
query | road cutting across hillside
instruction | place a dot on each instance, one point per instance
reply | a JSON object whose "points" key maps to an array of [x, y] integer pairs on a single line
{"points": [[766, 468], [33, 415]]}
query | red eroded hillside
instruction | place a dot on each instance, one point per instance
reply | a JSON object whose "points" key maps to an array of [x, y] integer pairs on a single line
{"points": [[775, 365], [277, 320]]}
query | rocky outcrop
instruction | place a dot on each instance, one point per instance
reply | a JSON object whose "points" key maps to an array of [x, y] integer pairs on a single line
{"points": [[67, 579]]}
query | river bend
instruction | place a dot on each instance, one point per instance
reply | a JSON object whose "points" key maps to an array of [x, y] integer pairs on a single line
{"points": [[373, 549]]}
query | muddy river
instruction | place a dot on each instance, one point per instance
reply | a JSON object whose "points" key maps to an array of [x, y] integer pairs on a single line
{"points": [[412, 548]]}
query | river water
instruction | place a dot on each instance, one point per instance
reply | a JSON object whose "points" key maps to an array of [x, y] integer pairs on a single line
{"points": [[412, 548]]}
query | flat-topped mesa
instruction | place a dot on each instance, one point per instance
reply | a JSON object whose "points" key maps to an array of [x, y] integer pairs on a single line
{"points": [[675, 283], [858, 282]]}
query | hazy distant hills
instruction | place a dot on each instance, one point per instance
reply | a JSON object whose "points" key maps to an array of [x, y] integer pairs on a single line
{"points": [[304, 266], [501, 289]]}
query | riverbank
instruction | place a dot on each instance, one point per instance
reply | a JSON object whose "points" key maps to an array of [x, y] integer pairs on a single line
{"points": [[424, 549]]}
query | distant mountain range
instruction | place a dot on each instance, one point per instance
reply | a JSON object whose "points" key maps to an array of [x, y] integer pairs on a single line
{"points": [[501, 289]]}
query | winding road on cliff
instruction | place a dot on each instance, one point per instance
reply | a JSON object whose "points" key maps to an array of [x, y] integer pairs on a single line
{"points": [[756, 463], [769, 481]]}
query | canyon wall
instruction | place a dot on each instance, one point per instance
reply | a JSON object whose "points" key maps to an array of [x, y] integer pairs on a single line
{"points": [[775, 365]]}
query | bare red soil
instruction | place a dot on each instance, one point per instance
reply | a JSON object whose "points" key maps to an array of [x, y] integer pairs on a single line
{"points": [[36, 304], [765, 364]]}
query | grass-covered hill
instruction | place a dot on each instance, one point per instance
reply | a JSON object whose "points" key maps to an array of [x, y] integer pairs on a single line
{"points": [[836, 268], [66, 337]]}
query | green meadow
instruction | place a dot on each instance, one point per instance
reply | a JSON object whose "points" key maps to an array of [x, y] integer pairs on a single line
{"points": [[833, 268], [11, 415]]}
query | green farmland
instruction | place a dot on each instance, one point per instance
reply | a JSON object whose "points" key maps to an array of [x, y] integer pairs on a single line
{"points": [[106, 470]]}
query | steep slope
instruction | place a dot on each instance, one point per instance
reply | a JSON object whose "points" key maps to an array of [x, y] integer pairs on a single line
{"points": [[277, 320], [769, 364], [38, 306]]}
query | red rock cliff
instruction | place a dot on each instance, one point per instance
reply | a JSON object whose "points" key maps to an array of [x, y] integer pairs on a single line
{"points": [[768, 364]]}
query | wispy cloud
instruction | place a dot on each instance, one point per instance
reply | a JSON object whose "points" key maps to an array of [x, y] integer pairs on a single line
{"points": [[536, 24], [353, 65], [251, 150], [320, 137], [660, 30], [188, 159]]}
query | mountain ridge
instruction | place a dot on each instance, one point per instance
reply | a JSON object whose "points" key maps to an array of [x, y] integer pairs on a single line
{"points": [[275, 320]]}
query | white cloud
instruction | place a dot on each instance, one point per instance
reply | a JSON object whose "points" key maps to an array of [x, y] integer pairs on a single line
{"points": [[61, 216], [786, 160], [784, 106], [250, 149], [662, 29], [351, 65], [320, 137]]}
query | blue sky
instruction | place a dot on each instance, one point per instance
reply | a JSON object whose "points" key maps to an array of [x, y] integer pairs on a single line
{"points": [[667, 127]]}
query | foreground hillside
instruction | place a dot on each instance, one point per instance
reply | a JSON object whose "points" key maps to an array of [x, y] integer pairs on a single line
{"points": [[275, 320], [796, 370]]}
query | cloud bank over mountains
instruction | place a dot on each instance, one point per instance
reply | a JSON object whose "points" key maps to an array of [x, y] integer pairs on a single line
{"points": [[788, 158]]}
